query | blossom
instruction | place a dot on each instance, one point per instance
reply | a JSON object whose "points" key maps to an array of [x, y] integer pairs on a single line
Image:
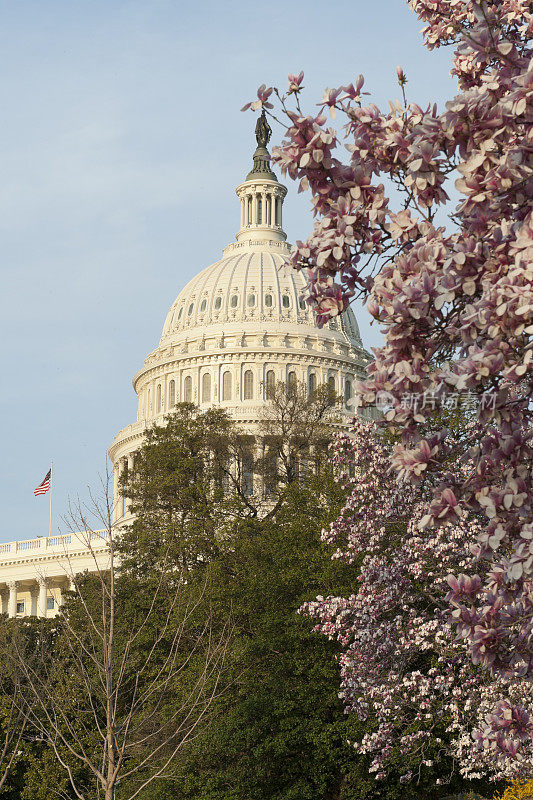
{"points": [[262, 99], [295, 83], [455, 304]]}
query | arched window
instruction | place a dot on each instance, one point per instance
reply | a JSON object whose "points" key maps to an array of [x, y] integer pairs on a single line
{"points": [[234, 301], [251, 299], [189, 312], [270, 383], [268, 301], [291, 383], [187, 389], [203, 305], [259, 211], [206, 387], [181, 312], [347, 391], [248, 385], [285, 301], [249, 211], [312, 383], [331, 382], [172, 394], [218, 303], [158, 401], [302, 304], [226, 386]]}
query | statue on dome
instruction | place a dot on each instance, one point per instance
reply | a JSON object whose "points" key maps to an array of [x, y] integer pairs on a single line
{"points": [[263, 131]]}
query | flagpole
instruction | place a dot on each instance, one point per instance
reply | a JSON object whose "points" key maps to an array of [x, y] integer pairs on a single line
{"points": [[51, 490]]}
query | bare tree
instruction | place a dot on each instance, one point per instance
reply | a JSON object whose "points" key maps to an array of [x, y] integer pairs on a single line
{"points": [[296, 428], [292, 438], [116, 700]]}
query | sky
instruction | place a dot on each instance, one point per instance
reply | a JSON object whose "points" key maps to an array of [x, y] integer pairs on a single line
{"points": [[121, 144]]}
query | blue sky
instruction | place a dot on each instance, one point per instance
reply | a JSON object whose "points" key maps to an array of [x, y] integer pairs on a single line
{"points": [[120, 146]]}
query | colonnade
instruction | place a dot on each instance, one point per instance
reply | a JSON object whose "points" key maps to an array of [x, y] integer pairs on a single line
{"points": [[40, 597], [261, 205]]}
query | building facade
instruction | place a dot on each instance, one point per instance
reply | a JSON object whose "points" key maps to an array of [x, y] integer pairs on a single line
{"points": [[235, 329]]}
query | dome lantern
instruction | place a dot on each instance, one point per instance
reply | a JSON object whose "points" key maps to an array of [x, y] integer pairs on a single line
{"points": [[261, 194]]}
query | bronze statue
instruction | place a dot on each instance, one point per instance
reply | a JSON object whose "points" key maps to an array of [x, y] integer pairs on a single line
{"points": [[263, 131]]}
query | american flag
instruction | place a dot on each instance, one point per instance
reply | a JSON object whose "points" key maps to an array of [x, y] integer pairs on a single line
{"points": [[44, 485]]}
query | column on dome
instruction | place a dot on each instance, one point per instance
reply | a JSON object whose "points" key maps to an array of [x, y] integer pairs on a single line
{"points": [[124, 462], [129, 462], [114, 513]]}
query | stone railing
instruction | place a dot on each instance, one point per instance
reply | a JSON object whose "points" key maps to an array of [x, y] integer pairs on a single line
{"points": [[62, 543]]}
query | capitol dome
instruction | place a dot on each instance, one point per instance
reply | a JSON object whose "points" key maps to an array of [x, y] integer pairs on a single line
{"points": [[242, 324]]}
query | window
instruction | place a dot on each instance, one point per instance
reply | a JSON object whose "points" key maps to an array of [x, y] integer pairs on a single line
{"points": [[172, 394], [181, 312], [347, 391], [187, 386], [248, 385], [203, 305], [218, 303], [20, 607], [226, 386], [273, 212], [291, 383], [234, 301], [285, 301], [251, 299], [302, 304], [206, 387], [249, 211], [268, 301], [259, 211], [331, 382], [50, 604], [158, 406], [270, 382], [189, 312], [312, 383]]}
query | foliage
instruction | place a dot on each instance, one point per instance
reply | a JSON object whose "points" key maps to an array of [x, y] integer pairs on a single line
{"points": [[455, 306], [401, 663], [183, 491]]}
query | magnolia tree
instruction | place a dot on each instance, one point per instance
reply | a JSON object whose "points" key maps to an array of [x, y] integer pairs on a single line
{"points": [[401, 664], [455, 302]]}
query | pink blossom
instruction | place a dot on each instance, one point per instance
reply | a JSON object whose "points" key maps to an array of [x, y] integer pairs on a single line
{"points": [[455, 304], [262, 99], [295, 82]]}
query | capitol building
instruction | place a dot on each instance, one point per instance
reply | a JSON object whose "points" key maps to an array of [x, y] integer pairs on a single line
{"points": [[233, 331]]}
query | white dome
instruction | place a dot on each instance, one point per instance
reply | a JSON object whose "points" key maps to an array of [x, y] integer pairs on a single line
{"points": [[248, 287], [240, 324]]}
